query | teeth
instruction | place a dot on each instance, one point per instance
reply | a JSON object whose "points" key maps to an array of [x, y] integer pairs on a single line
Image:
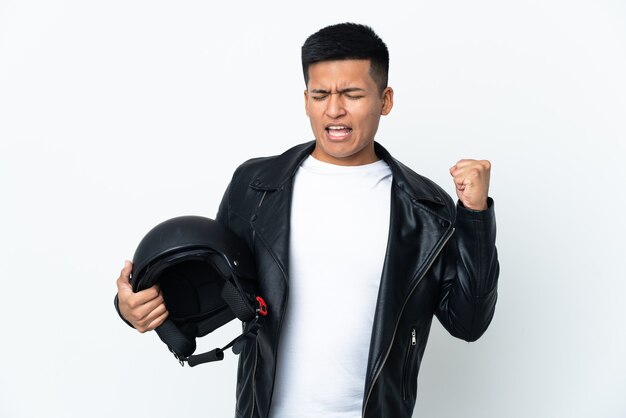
{"points": [[338, 127], [339, 133]]}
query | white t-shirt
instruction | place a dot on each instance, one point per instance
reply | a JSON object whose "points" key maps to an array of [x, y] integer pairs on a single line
{"points": [[339, 232]]}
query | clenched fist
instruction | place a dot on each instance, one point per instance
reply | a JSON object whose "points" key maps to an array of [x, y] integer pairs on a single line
{"points": [[471, 180]]}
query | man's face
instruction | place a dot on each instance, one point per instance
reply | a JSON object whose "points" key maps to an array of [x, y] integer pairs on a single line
{"points": [[344, 106]]}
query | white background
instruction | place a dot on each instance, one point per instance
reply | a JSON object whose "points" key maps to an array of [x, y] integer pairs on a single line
{"points": [[117, 115]]}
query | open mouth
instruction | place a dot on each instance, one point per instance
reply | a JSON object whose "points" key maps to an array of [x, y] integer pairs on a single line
{"points": [[338, 131]]}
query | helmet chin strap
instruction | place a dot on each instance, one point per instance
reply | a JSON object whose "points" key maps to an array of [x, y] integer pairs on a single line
{"points": [[218, 354], [183, 348], [172, 337]]}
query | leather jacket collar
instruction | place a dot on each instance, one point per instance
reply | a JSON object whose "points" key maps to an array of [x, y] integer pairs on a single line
{"points": [[275, 177]]}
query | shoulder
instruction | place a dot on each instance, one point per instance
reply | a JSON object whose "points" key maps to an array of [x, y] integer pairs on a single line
{"points": [[422, 182], [420, 189], [273, 171]]}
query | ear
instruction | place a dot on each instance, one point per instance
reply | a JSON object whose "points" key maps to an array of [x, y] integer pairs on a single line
{"points": [[387, 99], [306, 102]]}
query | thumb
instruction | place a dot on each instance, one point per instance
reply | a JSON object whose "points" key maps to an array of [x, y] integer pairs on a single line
{"points": [[123, 282]]}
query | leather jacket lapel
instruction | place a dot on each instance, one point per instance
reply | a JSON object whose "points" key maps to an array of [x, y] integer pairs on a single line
{"points": [[271, 220]]}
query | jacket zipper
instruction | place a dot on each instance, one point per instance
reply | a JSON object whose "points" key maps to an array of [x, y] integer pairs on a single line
{"points": [[407, 360], [444, 241]]}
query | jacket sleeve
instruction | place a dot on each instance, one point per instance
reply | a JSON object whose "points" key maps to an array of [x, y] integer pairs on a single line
{"points": [[470, 274]]}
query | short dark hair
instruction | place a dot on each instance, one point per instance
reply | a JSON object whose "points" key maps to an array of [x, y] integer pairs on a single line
{"points": [[345, 41]]}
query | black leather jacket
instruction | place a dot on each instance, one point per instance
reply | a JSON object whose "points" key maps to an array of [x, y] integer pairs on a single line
{"points": [[441, 259]]}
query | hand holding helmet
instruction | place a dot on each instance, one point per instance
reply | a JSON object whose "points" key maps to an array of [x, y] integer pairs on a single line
{"points": [[144, 310]]}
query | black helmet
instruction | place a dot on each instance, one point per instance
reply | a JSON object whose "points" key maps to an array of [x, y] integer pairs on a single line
{"points": [[207, 277]]}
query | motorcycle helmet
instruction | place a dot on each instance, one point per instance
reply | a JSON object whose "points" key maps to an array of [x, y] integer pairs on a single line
{"points": [[207, 278]]}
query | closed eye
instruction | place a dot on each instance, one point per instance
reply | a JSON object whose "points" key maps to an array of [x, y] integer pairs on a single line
{"points": [[320, 97]]}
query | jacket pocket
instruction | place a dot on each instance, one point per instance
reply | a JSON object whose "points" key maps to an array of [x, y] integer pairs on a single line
{"points": [[409, 363]]}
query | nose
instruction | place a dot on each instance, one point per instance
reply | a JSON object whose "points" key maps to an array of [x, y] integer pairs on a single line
{"points": [[334, 106]]}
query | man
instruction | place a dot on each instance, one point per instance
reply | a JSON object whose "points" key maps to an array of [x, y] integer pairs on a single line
{"points": [[354, 251]]}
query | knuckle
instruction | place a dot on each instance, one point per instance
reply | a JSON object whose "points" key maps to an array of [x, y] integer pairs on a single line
{"points": [[138, 315]]}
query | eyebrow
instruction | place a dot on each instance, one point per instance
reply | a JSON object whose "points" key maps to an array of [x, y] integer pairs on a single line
{"points": [[342, 91]]}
